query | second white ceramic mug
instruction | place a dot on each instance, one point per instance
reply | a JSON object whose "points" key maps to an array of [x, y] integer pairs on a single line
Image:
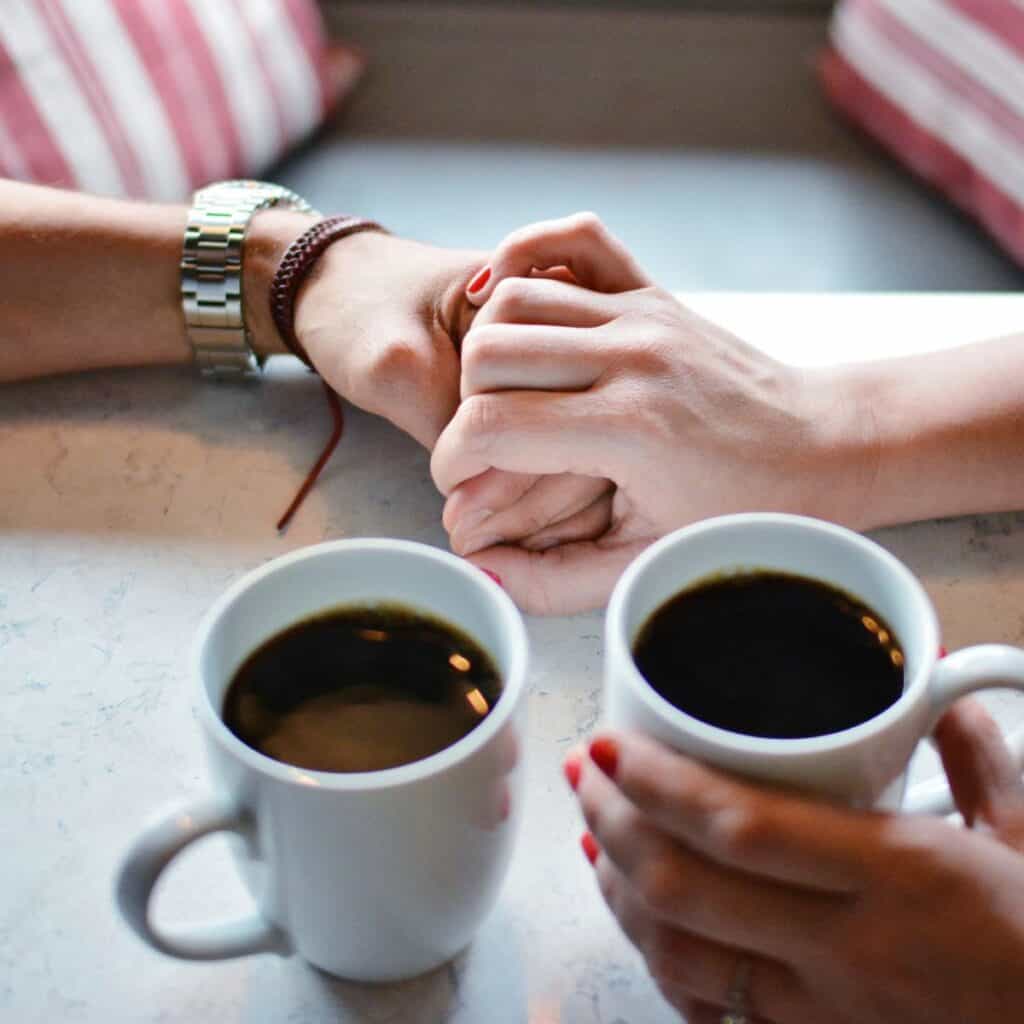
{"points": [[372, 876], [864, 766]]}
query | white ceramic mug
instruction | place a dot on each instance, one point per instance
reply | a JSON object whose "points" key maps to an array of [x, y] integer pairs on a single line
{"points": [[864, 766], [372, 876]]}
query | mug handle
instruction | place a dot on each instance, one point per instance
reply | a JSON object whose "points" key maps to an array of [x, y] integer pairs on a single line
{"points": [[153, 851], [984, 667]]}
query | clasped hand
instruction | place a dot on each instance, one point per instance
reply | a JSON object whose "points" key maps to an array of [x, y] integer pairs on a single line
{"points": [[598, 413], [588, 412]]}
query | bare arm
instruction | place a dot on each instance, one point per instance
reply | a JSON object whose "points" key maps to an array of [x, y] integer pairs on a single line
{"points": [[946, 431], [91, 282]]}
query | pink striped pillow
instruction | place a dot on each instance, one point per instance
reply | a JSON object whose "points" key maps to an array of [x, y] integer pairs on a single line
{"points": [[940, 83], [152, 98]]}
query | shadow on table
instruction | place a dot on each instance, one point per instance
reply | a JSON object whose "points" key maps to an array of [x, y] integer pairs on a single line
{"points": [[158, 453], [485, 983]]}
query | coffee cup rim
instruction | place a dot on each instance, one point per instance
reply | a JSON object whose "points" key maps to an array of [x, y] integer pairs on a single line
{"points": [[513, 680], [915, 686]]}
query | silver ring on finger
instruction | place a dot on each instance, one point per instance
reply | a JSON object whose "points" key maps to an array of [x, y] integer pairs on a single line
{"points": [[737, 999]]}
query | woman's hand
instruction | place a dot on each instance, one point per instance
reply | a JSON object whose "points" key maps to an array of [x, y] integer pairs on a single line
{"points": [[382, 318], [683, 418], [536, 511], [845, 917]]}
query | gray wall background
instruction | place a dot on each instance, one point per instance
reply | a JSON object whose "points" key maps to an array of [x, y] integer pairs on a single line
{"points": [[700, 136]]}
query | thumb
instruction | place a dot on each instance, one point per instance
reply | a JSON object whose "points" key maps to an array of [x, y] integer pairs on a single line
{"points": [[562, 580], [982, 772]]}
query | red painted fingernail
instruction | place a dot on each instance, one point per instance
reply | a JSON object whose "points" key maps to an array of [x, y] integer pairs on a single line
{"points": [[590, 847], [605, 754], [942, 652], [494, 576], [479, 281], [571, 768]]}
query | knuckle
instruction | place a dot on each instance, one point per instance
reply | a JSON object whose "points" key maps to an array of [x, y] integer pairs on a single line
{"points": [[509, 297], [739, 831], [530, 521], [649, 357], [481, 419], [659, 298], [587, 224], [518, 246], [659, 314], [480, 349], [659, 886]]}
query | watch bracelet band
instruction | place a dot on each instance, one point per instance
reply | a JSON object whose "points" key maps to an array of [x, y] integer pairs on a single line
{"points": [[211, 272], [295, 265]]}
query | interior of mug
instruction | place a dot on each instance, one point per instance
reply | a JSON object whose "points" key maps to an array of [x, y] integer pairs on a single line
{"points": [[796, 545], [358, 572]]}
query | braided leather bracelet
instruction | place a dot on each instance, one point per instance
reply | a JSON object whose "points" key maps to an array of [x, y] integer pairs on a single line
{"points": [[295, 265], [297, 262]]}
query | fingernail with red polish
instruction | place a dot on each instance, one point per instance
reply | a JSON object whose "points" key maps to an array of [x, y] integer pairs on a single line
{"points": [[571, 768], [590, 847], [943, 652], [479, 281], [494, 576], [605, 754]]}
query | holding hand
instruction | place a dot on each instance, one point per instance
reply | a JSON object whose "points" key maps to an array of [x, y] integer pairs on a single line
{"points": [[381, 318], [684, 419], [819, 913], [536, 511]]}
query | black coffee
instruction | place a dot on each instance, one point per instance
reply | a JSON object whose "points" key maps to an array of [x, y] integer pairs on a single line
{"points": [[768, 654], [361, 688]]}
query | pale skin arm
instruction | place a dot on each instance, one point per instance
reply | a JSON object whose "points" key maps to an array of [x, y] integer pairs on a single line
{"points": [[947, 436], [688, 421]]}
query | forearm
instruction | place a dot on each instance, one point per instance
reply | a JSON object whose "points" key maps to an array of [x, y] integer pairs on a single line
{"points": [[944, 431], [91, 283]]}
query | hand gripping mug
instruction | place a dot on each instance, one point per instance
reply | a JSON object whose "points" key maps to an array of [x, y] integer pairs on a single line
{"points": [[863, 766]]}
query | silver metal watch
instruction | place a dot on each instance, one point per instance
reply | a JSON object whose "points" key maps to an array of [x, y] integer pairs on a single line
{"points": [[211, 272]]}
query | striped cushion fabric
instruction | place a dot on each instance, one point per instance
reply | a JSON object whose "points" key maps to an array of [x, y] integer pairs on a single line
{"points": [[940, 83], [152, 98]]}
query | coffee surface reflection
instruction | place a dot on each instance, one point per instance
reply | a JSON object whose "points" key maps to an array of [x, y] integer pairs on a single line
{"points": [[361, 688]]}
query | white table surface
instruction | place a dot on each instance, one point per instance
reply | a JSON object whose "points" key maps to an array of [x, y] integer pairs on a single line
{"points": [[128, 501]]}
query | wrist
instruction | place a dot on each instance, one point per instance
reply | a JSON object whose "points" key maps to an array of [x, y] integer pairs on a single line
{"points": [[330, 287], [269, 235], [846, 447]]}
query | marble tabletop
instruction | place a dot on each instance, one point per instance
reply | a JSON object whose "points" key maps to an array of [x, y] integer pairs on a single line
{"points": [[130, 500]]}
